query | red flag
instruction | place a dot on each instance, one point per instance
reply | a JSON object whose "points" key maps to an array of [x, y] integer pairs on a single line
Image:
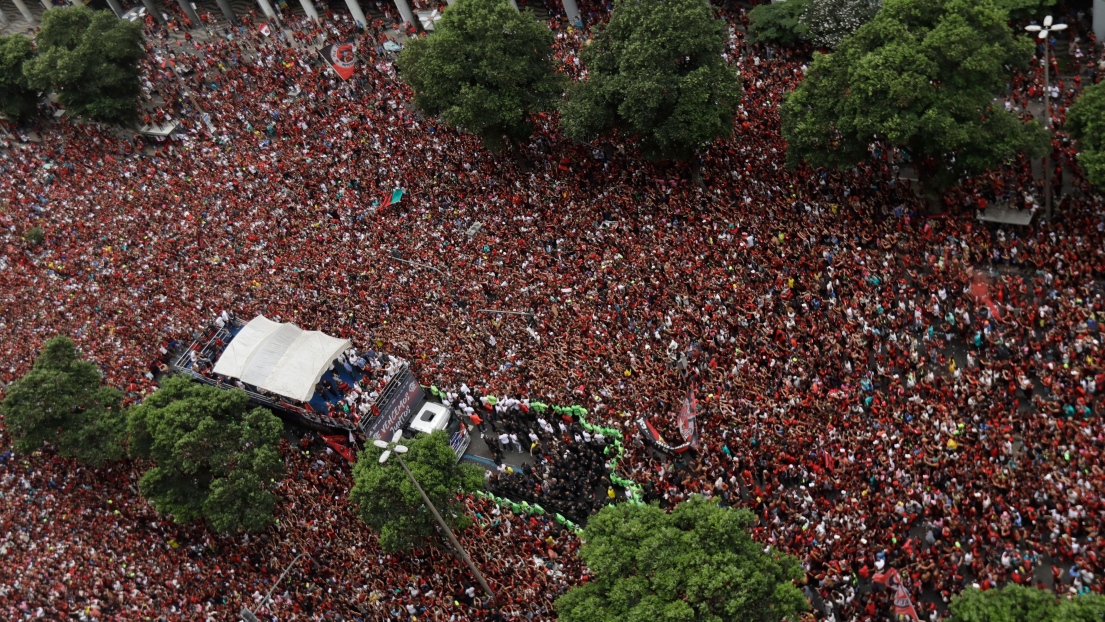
{"points": [[688, 420], [652, 435], [337, 444], [265, 30], [903, 603], [980, 288], [341, 57]]}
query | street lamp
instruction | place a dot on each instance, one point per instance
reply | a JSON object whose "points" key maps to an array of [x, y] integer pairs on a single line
{"points": [[249, 616], [398, 450], [1044, 31], [501, 311], [395, 256]]}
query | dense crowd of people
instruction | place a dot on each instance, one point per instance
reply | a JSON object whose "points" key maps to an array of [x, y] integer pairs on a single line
{"points": [[881, 386], [79, 544], [568, 473]]}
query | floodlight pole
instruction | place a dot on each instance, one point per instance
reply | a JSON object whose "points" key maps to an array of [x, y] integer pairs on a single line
{"points": [[394, 448], [1043, 33], [421, 265], [449, 532], [248, 615], [1047, 126], [500, 311]]}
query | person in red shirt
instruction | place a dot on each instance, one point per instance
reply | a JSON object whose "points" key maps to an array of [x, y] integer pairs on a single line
{"points": [[476, 420]]}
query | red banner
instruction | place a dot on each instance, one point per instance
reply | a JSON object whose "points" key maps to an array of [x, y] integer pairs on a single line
{"points": [[337, 443], [341, 57], [652, 437], [688, 421], [903, 603]]}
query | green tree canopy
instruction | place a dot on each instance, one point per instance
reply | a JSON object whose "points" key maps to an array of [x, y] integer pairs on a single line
{"points": [[386, 499], [62, 400], [1021, 9], [91, 59], [486, 68], [17, 99], [697, 563], [1015, 603], [922, 75], [1086, 122], [214, 456], [778, 22], [656, 72]]}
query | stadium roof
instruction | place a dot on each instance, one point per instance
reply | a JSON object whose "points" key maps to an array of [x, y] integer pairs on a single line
{"points": [[280, 358]]}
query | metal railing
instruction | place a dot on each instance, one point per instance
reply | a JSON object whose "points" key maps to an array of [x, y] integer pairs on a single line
{"points": [[386, 395], [183, 365], [460, 442]]}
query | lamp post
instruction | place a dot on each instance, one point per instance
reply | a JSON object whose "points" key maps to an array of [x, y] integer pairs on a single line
{"points": [[398, 450], [501, 311], [248, 615], [1044, 31], [396, 257]]}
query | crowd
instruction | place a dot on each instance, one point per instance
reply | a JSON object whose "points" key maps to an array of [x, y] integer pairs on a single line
{"points": [[569, 470], [81, 545], [880, 386]]}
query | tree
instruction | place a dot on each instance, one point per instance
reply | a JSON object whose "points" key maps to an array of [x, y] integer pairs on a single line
{"points": [[214, 456], [17, 99], [656, 72], [34, 236], [485, 70], [1086, 122], [1024, 9], [829, 21], [1015, 603], [386, 499], [91, 59], [63, 401], [778, 22], [697, 563], [922, 75]]}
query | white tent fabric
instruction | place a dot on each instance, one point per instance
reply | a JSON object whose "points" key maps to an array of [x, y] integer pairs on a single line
{"points": [[280, 358], [240, 350], [304, 362], [268, 354]]}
